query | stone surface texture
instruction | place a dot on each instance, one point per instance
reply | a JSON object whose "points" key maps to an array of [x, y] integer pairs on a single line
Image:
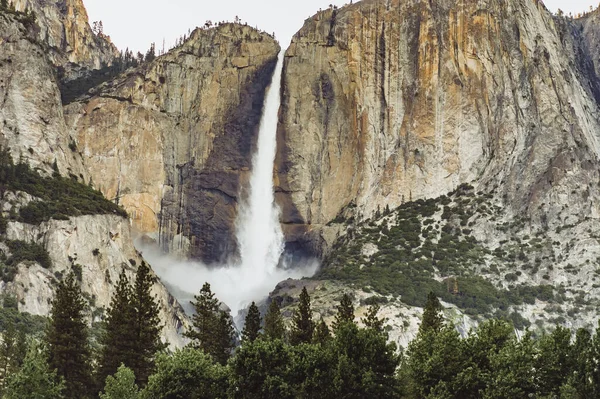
{"points": [[173, 140], [390, 101]]}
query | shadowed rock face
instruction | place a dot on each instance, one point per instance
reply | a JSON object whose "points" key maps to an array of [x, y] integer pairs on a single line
{"points": [[173, 140], [213, 191], [390, 101]]}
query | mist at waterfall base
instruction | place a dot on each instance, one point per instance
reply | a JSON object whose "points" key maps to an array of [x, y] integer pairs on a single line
{"points": [[258, 234], [234, 285]]}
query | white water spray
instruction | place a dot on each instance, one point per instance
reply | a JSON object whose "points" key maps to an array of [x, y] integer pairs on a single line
{"points": [[258, 232]]}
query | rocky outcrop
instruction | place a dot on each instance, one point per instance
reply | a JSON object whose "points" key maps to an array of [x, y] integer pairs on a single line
{"points": [[32, 124], [172, 141], [99, 247], [389, 101], [64, 27], [400, 321]]}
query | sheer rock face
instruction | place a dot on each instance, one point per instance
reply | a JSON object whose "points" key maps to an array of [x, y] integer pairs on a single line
{"points": [[32, 124], [386, 101], [64, 27], [173, 140]]}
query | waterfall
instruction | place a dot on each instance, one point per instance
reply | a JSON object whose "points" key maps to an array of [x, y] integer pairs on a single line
{"points": [[259, 233]]}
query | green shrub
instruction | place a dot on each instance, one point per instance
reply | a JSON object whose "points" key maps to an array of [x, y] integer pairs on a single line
{"points": [[24, 251], [59, 197], [77, 271], [375, 300], [23, 321]]}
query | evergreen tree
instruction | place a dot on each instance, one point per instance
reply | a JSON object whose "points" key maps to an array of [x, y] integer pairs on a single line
{"points": [[274, 326], [151, 53], [225, 338], [188, 373], [345, 312], [206, 308], [555, 361], [513, 371], [371, 320], [434, 361], [322, 334], [584, 365], [212, 328], [252, 324], [366, 364], [7, 353], [67, 338], [35, 379], [479, 348], [21, 348], [433, 320], [302, 322], [13, 350], [593, 356], [119, 340], [313, 370], [121, 385], [261, 369], [146, 325]]}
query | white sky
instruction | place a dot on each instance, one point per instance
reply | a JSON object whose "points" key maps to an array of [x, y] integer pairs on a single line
{"points": [[137, 23]]}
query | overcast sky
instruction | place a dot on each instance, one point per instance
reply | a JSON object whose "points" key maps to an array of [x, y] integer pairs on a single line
{"points": [[137, 23]]}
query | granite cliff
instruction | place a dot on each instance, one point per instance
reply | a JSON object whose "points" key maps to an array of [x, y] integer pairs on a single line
{"points": [[31, 115], [408, 100], [450, 146], [95, 244], [64, 28], [172, 141]]}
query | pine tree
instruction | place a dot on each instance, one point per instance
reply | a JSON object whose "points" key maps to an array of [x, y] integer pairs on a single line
{"points": [[212, 328], [206, 307], [274, 326], [322, 334], [119, 338], [67, 338], [225, 338], [35, 379], [433, 320], [151, 53], [371, 320], [146, 325], [302, 322], [345, 312], [252, 324]]}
